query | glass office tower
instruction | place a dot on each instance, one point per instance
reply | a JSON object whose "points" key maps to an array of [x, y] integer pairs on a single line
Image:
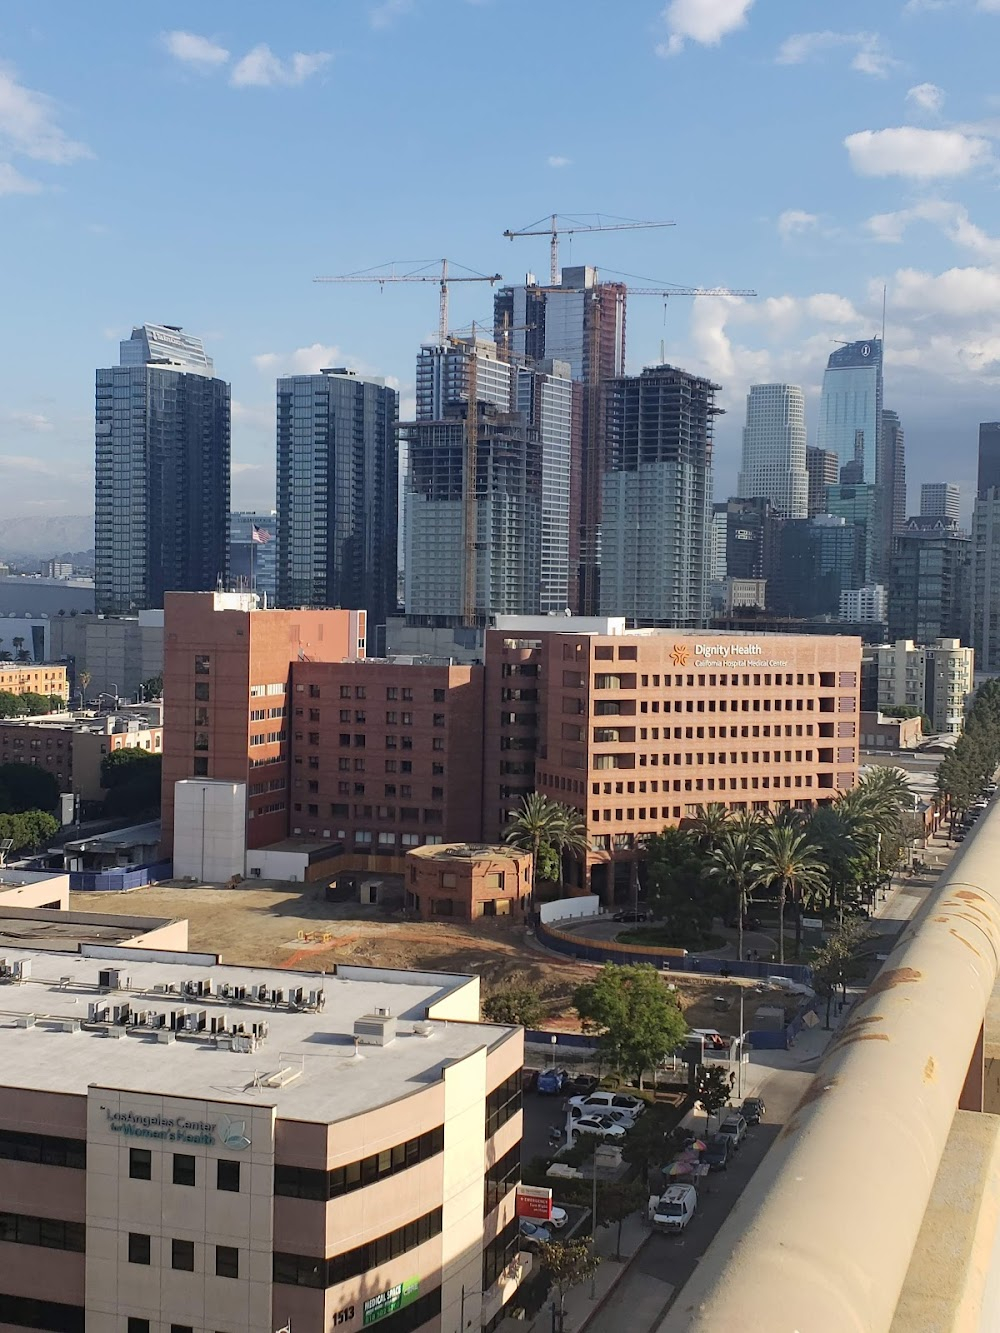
{"points": [[850, 406], [161, 496]]}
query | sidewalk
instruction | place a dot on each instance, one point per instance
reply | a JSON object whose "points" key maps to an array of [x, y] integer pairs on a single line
{"points": [[584, 1312]]}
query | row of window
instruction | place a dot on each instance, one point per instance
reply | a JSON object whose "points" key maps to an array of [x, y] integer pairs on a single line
{"points": [[46, 1149], [56, 1316], [182, 1253], [392, 693], [184, 1169], [501, 1178], [305, 1182], [135, 1325], [502, 1103], [303, 1270], [500, 1253], [50, 1232]]}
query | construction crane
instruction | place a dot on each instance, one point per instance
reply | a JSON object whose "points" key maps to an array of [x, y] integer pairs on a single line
{"points": [[555, 229], [444, 280]]}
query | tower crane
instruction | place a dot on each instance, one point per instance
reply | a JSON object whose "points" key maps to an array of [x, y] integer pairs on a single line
{"points": [[555, 229], [444, 279]]}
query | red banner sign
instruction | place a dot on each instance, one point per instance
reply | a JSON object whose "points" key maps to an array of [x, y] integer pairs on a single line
{"points": [[534, 1202]]}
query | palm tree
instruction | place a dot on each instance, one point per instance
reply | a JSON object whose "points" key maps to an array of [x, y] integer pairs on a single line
{"points": [[83, 679], [788, 859], [734, 859], [546, 828], [710, 824]]}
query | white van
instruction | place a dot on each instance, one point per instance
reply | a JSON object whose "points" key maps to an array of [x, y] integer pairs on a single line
{"points": [[675, 1208]]}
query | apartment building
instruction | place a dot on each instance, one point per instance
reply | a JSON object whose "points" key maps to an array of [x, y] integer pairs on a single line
{"points": [[638, 729], [72, 749], [936, 680], [226, 680], [256, 1150], [47, 678], [386, 755]]}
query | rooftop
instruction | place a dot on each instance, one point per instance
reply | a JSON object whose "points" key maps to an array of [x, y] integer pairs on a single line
{"points": [[466, 851], [298, 1059], [136, 835], [43, 928]]}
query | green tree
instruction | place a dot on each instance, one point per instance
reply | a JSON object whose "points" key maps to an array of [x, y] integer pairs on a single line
{"points": [[547, 829], [638, 1018], [131, 777], [837, 962], [788, 860], [151, 688], [567, 1264], [33, 704], [10, 705], [713, 1089], [57, 703], [26, 787], [618, 1200], [28, 829], [83, 679], [677, 891], [647, 1144], [710, 823], [518, 1002], [733, 860]]}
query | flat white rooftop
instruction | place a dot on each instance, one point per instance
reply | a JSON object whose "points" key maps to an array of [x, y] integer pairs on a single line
{"points": [[332, 1083]]}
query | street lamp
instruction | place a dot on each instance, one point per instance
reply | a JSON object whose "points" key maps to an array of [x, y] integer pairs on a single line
{"points": [[739, 1071]]}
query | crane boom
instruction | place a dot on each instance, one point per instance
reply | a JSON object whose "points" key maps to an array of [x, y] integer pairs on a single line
{"points": [[690, 291], [555, 230], [444, 279]]}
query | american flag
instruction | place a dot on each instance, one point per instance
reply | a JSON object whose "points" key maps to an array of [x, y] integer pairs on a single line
{"points": [[259, 535]]}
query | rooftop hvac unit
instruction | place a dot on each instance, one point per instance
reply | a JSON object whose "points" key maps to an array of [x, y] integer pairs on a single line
{"points": [[219, 1022], [377, 1029], [24, 1021], [112, 978], [166, 1037], [98, 1012], [156, 1020], [20, 969], [259, 1030], [120, 1013], [295, 997]]}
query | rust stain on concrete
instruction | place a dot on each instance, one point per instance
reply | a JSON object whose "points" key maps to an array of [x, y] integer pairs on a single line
{"points": [[816, 1089], [865, 1036], [896, 976], [930, 1070], [962, 940]]}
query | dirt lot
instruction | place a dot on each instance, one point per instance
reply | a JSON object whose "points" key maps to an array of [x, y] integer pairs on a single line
{"points": [[265, 925]]}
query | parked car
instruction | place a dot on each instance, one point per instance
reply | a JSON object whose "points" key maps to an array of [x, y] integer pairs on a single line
{"points": [[602, 1125], [580, 1085], [559, 1217], [550, 1082], [533, 1235], [624, 1118], [675, 1208], [716, 1153], [596, 1103], [734, 1128], [753, 1110], [631, 914]]}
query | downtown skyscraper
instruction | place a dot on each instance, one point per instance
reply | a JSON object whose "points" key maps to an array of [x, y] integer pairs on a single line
{"points": [[337, 499], [850, 406], [579, 321], [657, 498], [774, 449], [161, 462]]}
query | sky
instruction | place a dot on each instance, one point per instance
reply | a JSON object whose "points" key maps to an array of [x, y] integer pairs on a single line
{"points": [[200, 164]]}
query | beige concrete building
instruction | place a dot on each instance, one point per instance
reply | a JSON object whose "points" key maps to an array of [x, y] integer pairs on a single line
{"points": [[937, 680], [72, 746], [187, 1146], [468, 881], [47, 678]]}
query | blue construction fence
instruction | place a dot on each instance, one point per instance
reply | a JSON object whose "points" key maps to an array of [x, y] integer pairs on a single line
{"points": [[117, 881], [596, 951]]}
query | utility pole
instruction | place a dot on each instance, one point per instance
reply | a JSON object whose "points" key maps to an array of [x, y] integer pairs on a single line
{"points": [[593, 1228]]}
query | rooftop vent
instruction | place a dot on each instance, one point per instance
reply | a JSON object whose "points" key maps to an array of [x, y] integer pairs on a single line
{"points": [[377, 1029]]}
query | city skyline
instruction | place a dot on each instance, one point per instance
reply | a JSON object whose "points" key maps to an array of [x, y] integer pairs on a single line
{"points": [[892, 191]]}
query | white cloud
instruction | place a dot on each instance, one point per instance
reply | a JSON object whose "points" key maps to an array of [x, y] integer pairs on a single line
{"points": [[12, 182], [253, 416], [927, 96], [385, 14], [31, 421], [240, 469], [28, 124], [989, 6], [190, 49], [869, 57], [915, 153], [794, 221], [261, 68], [702, 21], [952, 218], [303, 361], [557, 161]]}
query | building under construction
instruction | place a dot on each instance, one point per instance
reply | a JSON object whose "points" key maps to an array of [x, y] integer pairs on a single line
{"points": [[580, 321], [487, 487]]}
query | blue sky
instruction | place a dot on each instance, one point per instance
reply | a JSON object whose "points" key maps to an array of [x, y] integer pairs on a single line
{"points": [[199, 164]]}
